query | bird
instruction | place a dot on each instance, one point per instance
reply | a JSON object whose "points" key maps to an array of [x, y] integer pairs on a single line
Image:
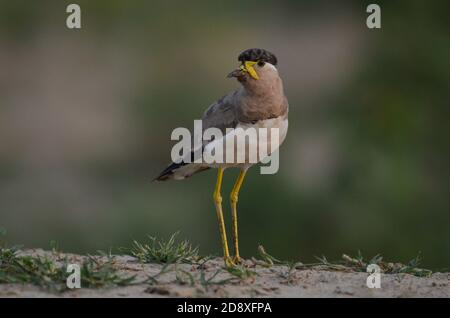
{"points": [[258, 102]]}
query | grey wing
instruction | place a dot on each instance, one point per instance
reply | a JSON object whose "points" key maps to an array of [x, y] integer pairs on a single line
{"points": [[221, 114]]}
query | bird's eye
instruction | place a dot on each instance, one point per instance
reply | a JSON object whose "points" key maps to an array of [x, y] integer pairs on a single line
{"points": [[261, 63]]}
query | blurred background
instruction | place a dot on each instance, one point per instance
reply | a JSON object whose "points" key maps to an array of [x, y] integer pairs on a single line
{"points": [[86, 117]]}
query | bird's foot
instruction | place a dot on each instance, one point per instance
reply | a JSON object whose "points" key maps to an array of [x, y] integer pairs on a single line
{"points": [[237, 260], [229, 262]]}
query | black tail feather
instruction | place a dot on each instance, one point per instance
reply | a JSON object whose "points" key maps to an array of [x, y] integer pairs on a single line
{"points": [[166, 173]]}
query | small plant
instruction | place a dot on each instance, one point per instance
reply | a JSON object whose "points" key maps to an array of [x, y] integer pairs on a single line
{"points": [[359, 264], [413, 268], [54, 246], [39, 271], [289, 274], [98, 274], [206, 282], [268, 259], [186, 278], [44, 272], [183, 277], [158, 251], [166, 268], [241, 272]]}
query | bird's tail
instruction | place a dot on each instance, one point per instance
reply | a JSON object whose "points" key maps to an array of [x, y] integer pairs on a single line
{"points": [[180, 171]]}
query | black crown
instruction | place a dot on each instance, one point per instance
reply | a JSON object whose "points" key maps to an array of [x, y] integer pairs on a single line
{"points": [[256, 55]]}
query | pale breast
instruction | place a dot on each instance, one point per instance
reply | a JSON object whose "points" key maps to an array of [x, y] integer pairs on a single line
{"points": [[249, 143]]}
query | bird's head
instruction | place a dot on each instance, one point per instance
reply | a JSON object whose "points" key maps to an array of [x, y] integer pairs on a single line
{"points": [[256, 65]]}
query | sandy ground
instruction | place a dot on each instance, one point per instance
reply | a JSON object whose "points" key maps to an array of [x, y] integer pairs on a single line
{"points": [[185, 280]]}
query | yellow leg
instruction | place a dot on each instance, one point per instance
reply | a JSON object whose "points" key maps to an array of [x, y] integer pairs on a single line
{"points": [[233, 200], [218, 203]]}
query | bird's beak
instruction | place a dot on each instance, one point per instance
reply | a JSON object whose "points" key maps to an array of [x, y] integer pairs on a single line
{"points": [[247, 67], [237, 73]]}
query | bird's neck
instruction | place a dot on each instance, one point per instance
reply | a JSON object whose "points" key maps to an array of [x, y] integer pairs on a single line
{"points": [[262, 101], [266, 90]]}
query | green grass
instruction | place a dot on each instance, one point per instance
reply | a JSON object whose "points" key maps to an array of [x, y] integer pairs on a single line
{"points": [[160, 251], [97, 273], [348, 263], [39, 271], [359, 264], [202, 279], [50, 271], [266, 258], [241, 272], [44, 272]]}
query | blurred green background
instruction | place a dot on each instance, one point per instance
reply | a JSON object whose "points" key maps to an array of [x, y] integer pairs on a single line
{"points": [[86, 117]]}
